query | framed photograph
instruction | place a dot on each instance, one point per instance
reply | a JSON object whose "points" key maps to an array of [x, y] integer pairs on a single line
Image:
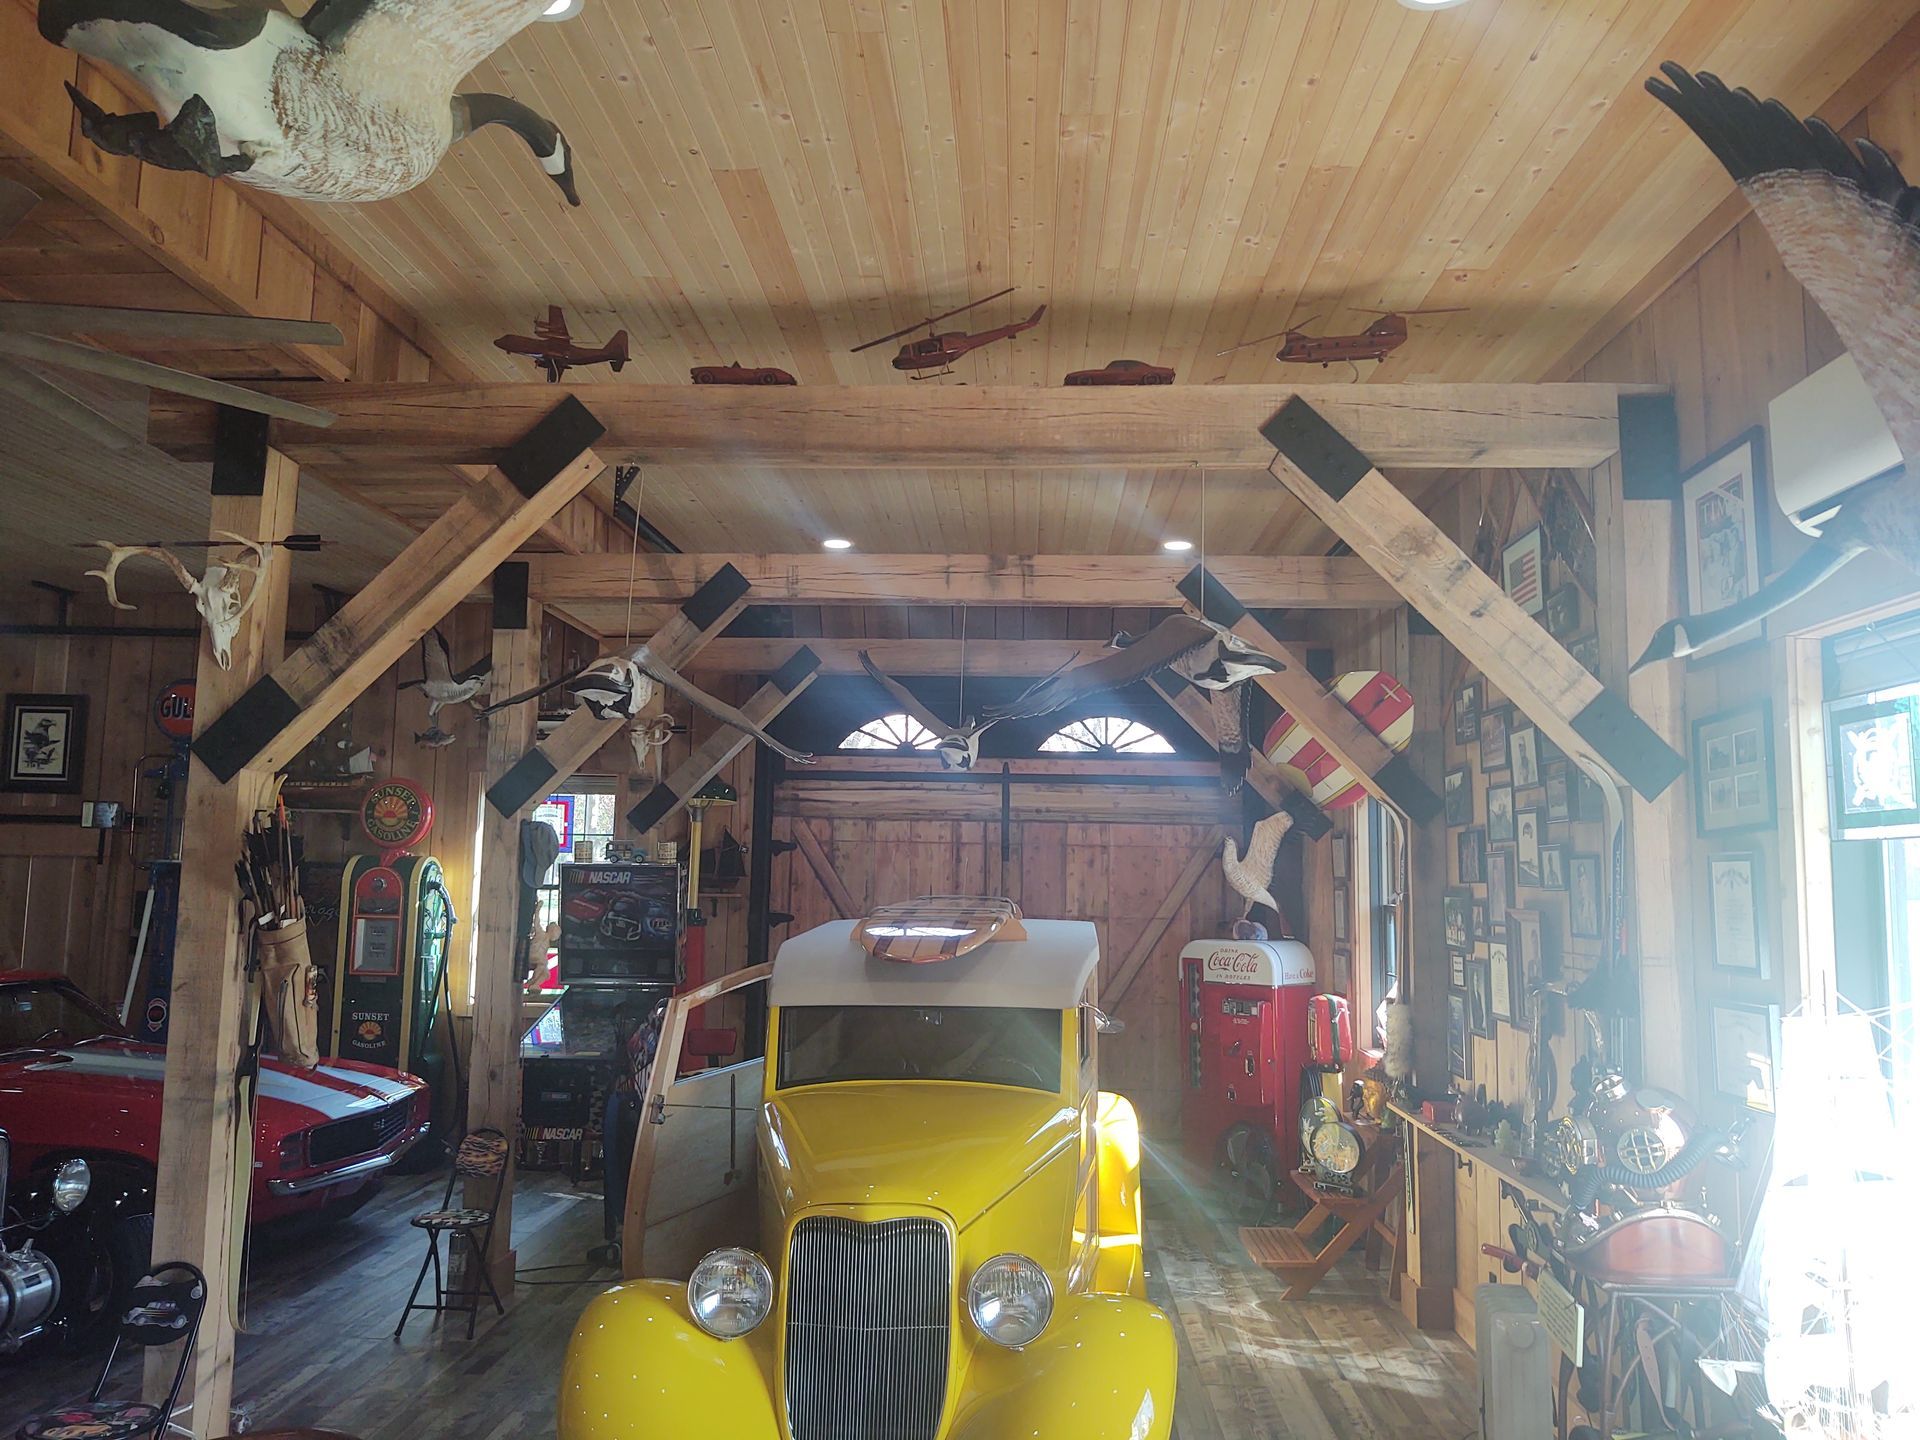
{"points": [[1342, 970], [1499, 886], [1340, 854], [1553, 867], [1745, 1044], [1733, 769], [46, 744], [1522, 572], [1342, 920], [1460, 796], [1588, 802], [1586, 650], [1479, 921], [1526, 846], [1480, 999], [1456, 907], [1493, 741], [1559, 793], [1563, 612], [1473, 855], [1583, 896], [1500, 815], [1457, 969], [1459, 1050], [1466, 713], [1526, 965], [1720, 505], [1733, 897], [1873, 755], [1500, 980], [1523, 742]]}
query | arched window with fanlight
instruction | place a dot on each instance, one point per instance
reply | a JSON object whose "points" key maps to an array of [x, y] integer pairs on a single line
{"points": [[898, 731], [1106, 735]]}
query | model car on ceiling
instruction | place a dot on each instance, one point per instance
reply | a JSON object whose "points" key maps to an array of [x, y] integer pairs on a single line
{"points": [[75, 1086], [924, 1221]]}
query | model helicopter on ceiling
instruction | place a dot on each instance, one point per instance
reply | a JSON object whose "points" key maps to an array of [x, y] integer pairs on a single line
{"points": [[552, 349], [938, 351], [1376, 342]]}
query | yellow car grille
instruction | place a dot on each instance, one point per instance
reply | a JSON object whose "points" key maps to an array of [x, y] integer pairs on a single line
{"points": [[868, 1314]]}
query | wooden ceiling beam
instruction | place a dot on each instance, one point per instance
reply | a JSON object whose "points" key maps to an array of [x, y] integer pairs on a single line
{"points": [[1002, 658], [1192, 707], [579, 584], [869, 427], [1338, 482]]}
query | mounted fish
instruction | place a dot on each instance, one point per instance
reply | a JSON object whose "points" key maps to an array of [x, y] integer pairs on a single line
{"points": [[1209, 656], [619, 687], [1847, 225], [222, 595], [353, 102]]}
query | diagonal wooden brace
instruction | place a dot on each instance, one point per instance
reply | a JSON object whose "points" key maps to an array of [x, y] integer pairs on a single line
{"points": [[783, 687], [1360, 505], [284, 709], [1191, 706], [704, 615], [1388, 777]]}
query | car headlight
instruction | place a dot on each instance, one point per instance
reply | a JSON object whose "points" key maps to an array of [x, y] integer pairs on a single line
{"points": [[70, 1185], [730, 1292], [1011, 1300]]}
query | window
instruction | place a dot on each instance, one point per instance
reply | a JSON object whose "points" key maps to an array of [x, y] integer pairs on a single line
{"points": [[898, 731], [1106, 735], [576, 817], [1386, 893], [821, 1044]]}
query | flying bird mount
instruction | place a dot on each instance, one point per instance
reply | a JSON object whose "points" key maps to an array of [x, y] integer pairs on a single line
{"points": [[937, 350], [555, 351], [1376, 342]]}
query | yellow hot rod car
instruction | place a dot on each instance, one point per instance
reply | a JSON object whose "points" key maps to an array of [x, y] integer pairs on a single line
{"points": [[943, 1241]]}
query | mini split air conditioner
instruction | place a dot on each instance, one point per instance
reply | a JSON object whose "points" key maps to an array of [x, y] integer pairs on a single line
{"points": [[1827, 436]]}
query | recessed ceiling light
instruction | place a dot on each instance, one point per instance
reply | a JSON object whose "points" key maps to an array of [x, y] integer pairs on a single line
{"points": [[1431, 4], [1178, 547], [563, 9], [836, 543]]}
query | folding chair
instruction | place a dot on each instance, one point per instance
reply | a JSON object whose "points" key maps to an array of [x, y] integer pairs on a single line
{"points": [[165, 1307], [481, 1156]]}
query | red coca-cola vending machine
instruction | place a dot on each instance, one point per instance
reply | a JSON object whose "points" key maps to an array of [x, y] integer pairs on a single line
{"points": [[1245, 1005]]}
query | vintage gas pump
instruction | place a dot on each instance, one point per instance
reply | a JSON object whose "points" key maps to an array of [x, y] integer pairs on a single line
{"points": [[396, 920], [1245, 1007]]}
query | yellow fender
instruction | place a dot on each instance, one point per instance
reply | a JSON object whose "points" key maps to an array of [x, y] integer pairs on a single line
{"points": [[1121, 1266], [1104, 1370]]}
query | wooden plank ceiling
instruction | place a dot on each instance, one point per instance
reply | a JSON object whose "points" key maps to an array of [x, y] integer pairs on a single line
{"points": [[773, 181]]}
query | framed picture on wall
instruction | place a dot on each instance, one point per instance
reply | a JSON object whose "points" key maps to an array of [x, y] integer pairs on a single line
{"points": [[1500, 815], [1563, 612], [1583, 896], [1457, 969], [1586, 652], [1724, 552], [1523, 572], [1499, 886], [1493, 741], [1342, 970], [1553, 867], [1456, 909], [1500, 981], [1526, 965], [1479, 998], [1466, 713], [46, 744], [1527, 828], [1478, 923], [1459, 1048], [1460, 796], [1559, 793], [1733, 769], [1340, 854], [1745, 1044], [1733, 898], [1524, 744], [1873, 755], [1473, 855], [1342, 920]]}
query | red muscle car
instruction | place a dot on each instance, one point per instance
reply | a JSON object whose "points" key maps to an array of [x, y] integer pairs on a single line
{"points": [[74, 1084]]}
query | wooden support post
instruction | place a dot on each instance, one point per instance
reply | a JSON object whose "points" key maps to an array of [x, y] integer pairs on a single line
{"points": [[201, 1134], [712, 754], [267, 726], [535, 772], [1187, 702], [1353, 499], [1426, 1298], [1386, 776], [493, 1069]]}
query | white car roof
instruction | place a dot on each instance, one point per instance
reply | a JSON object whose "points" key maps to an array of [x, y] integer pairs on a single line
{"points": [[1048, 970]]}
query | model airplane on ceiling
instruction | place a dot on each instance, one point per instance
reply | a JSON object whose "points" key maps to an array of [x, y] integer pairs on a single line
{"points": [[552, 349], [1376, 342], [938, 351]]}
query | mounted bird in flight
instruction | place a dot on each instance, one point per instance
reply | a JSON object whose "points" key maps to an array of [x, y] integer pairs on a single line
{"points": [[1847, 225], [958, 747]]}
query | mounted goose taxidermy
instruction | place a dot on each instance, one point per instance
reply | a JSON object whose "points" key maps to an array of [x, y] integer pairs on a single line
{"points": [[354, 102], [1847, 225]]}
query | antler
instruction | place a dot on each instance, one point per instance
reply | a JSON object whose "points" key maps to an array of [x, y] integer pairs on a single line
{"points": [[119, 554], [251, 570]]}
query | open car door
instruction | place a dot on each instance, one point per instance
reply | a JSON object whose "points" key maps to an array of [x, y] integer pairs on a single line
{"points": [[691, 1185]]}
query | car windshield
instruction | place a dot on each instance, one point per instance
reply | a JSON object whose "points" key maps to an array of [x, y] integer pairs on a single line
{"points": [[33, 1015], [820, 1044]]}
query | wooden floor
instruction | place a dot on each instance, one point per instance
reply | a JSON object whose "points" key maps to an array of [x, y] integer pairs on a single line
{"points": [[320, 1352]]}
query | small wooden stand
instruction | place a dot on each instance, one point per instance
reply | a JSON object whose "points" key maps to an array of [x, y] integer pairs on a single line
{"points": [[1289, 1252]]}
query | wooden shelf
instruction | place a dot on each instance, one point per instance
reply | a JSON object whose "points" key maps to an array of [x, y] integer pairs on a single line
{"points": [[1481, 1152]]}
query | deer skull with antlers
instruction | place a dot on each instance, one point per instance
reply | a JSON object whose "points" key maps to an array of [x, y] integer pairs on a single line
{"points": [[222, 595]]}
